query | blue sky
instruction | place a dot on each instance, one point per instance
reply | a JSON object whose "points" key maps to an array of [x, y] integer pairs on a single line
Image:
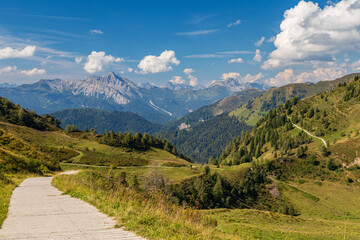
{"points": [[213, 40]]}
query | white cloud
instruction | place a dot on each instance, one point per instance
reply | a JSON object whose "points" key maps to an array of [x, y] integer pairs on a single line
{"points": [[237, 22], [33, 71], [260, 41], [78, 60], [193, 81], [236, 60], [96, 31], [154, 64], [188, 71], [177, 80], [356, 65], [8, 69], [9, 52], [282, 78], [206, 55], [257, 57], [230, 75], [97, 60], [311, 33], [198, 32], [248, 78], [271, 39], [252, 78], [130, 69], [320, 74], [236, 52]]}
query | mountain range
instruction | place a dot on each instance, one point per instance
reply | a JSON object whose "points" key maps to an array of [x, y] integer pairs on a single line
{"points": [[115, 93], [195, 133]]}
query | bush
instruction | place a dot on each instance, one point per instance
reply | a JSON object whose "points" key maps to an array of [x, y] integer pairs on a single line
{"points": [[331, 165]]}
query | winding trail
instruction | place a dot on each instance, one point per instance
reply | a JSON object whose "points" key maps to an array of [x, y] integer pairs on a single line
{"points": [[40, 211], [310, 134]]}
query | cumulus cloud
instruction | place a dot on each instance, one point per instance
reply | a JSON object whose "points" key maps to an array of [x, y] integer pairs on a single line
{"points": [[260, 41], [236, 60], [97, 60], [8, 69], [78, 60], [356, 65], [252, 78], [34, 71], [193, 81], [248, 78], [320, 74], [257, 57], [96, 32], [282, 78], [157, 64], [177, 80], [309, 32], [237, 22], [130, 69], [188, 71], [226, 76], [9, 52]]}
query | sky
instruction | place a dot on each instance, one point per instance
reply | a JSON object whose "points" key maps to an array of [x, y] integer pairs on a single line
{"points": [[185, 42]]}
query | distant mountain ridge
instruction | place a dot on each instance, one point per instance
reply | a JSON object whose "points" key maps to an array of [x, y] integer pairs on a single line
{"points": [[236, 85], [114, 93]]}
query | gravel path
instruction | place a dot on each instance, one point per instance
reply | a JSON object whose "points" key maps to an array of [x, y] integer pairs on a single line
{"points": [[39, 211], [311, 134]]}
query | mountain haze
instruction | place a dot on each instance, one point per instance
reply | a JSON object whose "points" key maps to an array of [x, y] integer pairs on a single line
{"points": [[113, 93]]}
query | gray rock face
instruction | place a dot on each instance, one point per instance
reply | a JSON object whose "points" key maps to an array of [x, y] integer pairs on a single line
{"points": [[115, 93], [112, 86], [234, 85]]}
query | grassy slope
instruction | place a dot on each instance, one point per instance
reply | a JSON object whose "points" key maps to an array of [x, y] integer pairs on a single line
{"points": [[6, 188], [208, 112], [22, 148], [150, 217], [251, 113], [326, 205]]}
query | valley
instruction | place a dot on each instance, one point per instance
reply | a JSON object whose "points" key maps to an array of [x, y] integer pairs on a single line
{"points": [[294, 183], [180, 120]]}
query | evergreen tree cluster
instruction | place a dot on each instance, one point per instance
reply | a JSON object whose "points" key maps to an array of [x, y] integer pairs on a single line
{"points": [[140, 142], [271, 129], [351, 90], [71, 128], [15, 114], [103, 121], [214, 191], [208, 138]]}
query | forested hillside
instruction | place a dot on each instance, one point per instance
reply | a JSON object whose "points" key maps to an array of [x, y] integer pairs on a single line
{"points": [[206, 139], [208, 112], [333, 115], [102, 121], [259, 106], [15, 114]]}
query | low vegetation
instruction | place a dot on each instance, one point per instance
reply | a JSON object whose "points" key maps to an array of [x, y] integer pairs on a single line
{"points": [[149, 215]]}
